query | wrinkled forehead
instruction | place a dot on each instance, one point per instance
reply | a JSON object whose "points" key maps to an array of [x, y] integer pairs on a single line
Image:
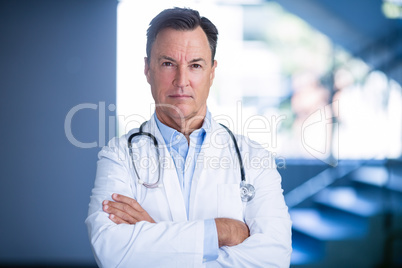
{"points": [[179, 43]]}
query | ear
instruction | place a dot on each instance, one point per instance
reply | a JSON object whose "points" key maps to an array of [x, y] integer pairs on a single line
{"points": [[212, 75], [146, 69]]}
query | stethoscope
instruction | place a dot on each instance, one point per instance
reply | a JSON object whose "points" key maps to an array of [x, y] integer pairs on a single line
{"points": [[247, 191]]}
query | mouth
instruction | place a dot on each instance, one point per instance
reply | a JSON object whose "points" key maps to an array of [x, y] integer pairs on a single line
{"points": [[180, 96]]}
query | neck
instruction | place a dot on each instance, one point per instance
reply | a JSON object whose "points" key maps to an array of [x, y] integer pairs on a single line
{"points": [[183, 125]]}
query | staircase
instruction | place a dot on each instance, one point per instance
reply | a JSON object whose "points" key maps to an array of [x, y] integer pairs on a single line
{"points": [[354, 222]]}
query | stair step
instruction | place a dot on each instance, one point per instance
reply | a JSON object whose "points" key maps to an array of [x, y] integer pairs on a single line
{"points": [[328, 225], [395, 180], [379, 176], [350, 199], [306, 250]]}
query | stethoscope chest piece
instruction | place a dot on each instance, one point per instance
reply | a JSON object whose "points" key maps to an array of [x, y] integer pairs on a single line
{"points": [[247, 192]]}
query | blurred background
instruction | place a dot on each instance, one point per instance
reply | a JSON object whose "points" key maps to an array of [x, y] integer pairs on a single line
{"points": [[317, 82]]}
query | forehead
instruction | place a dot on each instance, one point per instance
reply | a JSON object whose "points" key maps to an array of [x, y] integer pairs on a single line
{"points": [[179, 44]]}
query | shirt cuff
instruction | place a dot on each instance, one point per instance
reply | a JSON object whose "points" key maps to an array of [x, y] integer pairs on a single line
{"points": [[211, 246]]}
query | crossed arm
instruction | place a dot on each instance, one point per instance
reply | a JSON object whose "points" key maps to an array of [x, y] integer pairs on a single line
{"points": [[127, 234], [125, 210]]}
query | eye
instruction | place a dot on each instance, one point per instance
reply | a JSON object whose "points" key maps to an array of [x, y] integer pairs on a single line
{"points": [[196, 66], [167, 63]]}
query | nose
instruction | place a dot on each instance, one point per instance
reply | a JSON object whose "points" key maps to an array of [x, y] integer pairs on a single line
{"points": [[181, 78]]}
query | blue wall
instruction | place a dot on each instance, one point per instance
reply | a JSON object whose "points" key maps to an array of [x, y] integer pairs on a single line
{"points": [[54, 55]]}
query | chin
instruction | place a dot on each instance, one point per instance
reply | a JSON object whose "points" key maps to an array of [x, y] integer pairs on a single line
{"points": [[183, 110]]}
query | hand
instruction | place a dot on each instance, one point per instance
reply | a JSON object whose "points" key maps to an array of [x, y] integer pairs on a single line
{"points": [[231, 232], [125, 210]]}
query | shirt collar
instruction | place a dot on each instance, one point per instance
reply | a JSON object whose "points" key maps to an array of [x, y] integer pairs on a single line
{"points": [[168, 132]]}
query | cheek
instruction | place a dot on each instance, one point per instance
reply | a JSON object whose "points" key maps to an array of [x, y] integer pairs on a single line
{"points": [[161, 82], [164, 78], [200, 80], [200, 85]]}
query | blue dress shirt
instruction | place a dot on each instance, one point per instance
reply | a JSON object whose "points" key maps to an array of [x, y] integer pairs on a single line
{"points": [[184, 157]]}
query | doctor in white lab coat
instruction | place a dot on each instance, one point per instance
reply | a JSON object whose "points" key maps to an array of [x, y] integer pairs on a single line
{"points": [[131, 225]]}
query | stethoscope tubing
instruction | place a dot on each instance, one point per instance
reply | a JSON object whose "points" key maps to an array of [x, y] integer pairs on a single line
{"points": [[242, 173], [247, 190]]}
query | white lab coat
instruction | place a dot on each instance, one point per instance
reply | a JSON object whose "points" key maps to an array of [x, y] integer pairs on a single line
{"points": [[174, 241]]}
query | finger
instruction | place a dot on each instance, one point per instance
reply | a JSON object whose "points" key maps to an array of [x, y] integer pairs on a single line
{"points": [[131, 207], [127, 200], [127, 212], [120, 210], [122, 207], [116, 219]]}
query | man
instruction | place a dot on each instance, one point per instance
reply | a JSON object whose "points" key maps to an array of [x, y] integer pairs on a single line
{"points": [[190, 213]]}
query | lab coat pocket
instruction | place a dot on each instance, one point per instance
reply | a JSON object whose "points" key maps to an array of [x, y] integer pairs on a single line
{"points": [[229, 201]]}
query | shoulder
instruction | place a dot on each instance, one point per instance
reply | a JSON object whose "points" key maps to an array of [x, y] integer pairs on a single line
{"points": [[117, 145], [250, 150], [245, 144], [255, 152]]}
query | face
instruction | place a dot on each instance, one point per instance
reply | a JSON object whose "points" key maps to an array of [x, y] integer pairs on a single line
{"points": [[180, 74]]}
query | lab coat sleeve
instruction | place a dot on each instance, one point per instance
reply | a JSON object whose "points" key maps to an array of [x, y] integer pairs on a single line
{"points": [[171, 244], [267, 217]]}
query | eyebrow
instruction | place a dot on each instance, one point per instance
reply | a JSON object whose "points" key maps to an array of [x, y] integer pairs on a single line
{"points": [[197, 60], [173, 60]]}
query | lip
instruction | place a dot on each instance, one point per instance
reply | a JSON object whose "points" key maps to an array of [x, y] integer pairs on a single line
{"points": [[179, 96]]}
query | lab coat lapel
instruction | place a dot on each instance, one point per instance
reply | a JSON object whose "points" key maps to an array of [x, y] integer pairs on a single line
{"points": [[202, 178], [169, 177]]}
